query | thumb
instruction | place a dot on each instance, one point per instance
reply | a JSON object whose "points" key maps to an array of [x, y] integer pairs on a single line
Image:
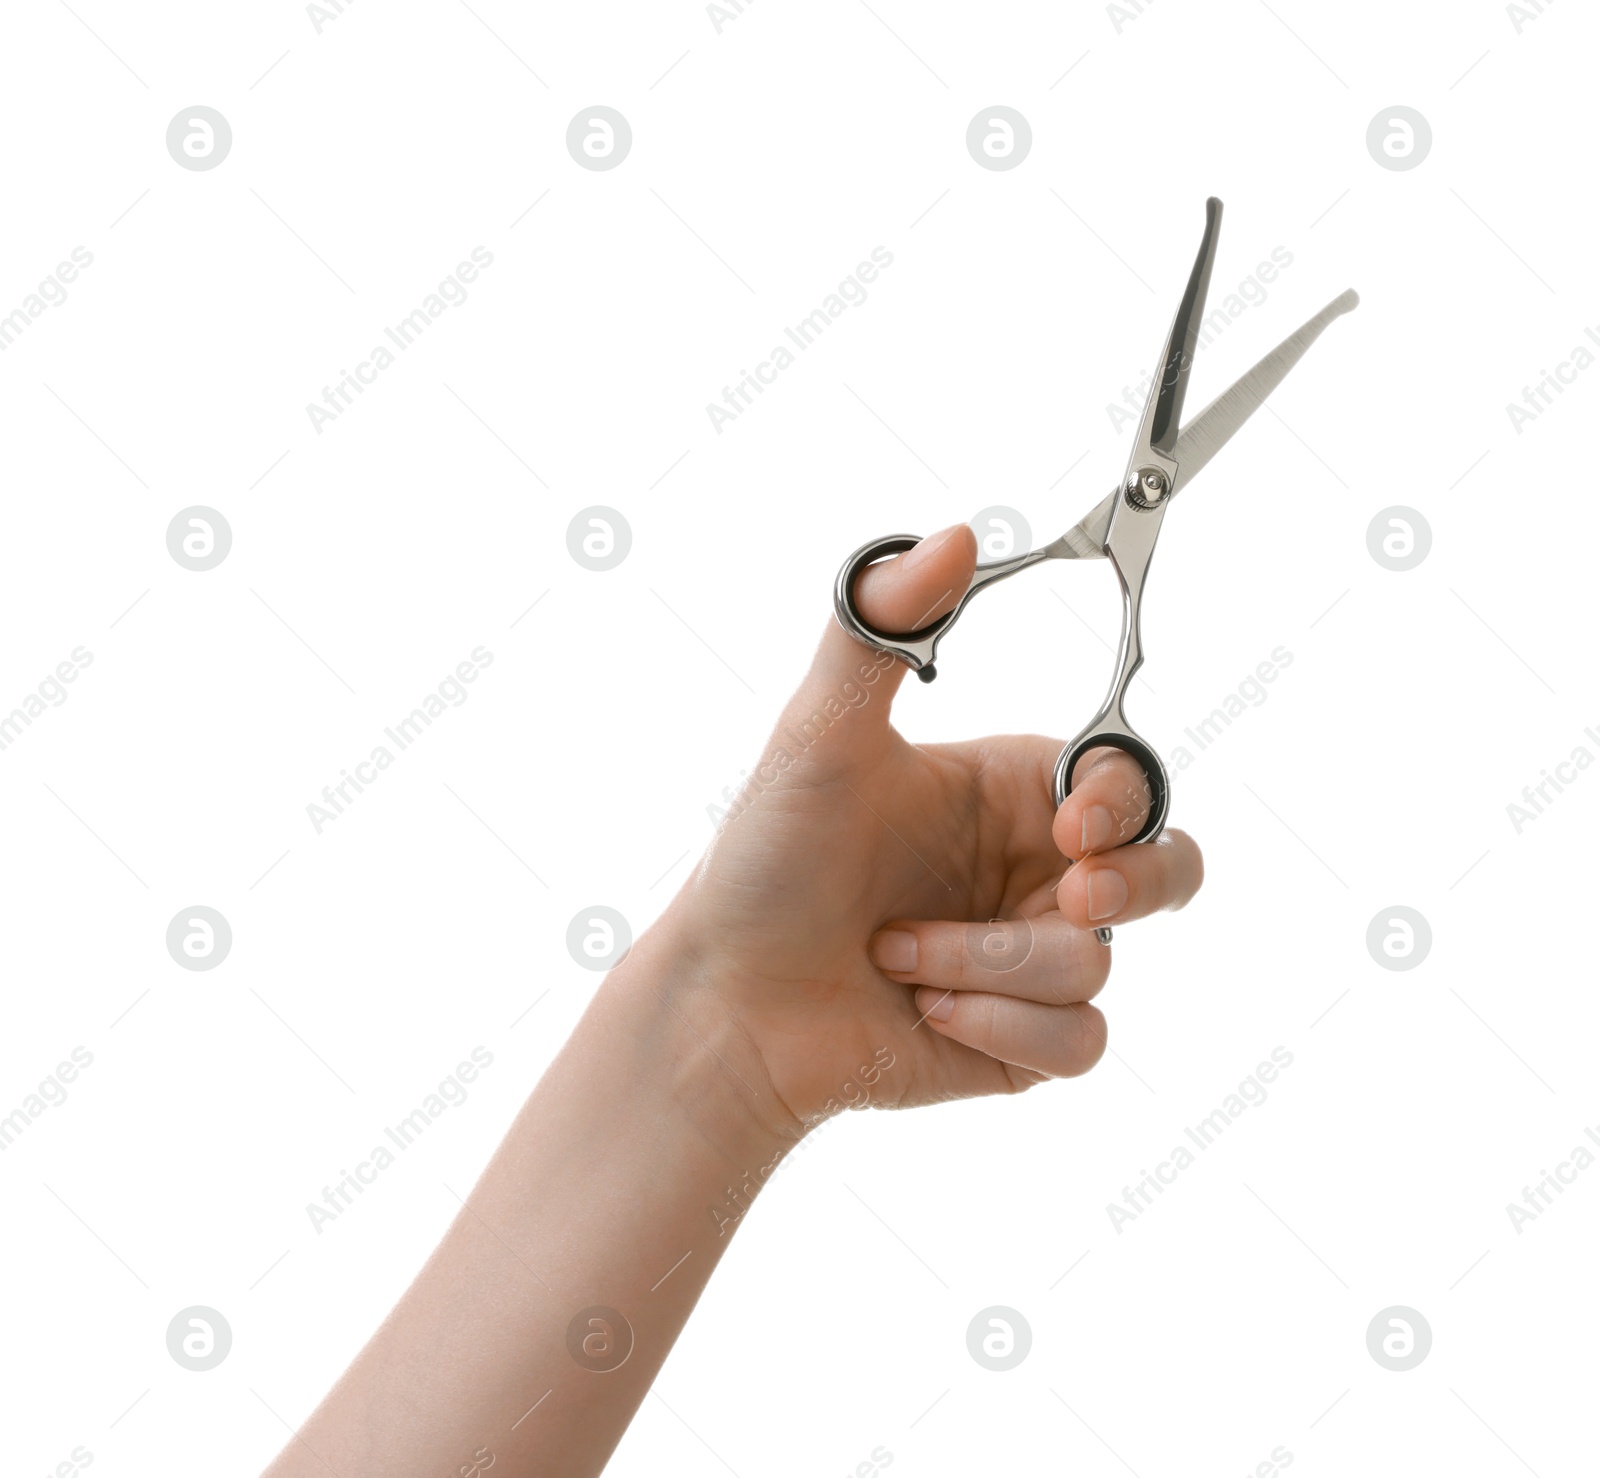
{"points": [[905, 593], [899, 595]]}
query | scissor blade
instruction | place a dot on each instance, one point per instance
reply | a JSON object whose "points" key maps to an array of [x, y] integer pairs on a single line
{"points": [[1211, 430], [1215, 426], [1086, 539], [1164, 413]]}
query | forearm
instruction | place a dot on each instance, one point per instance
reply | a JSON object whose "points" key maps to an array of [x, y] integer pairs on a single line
{"points": [[611, 1191]]}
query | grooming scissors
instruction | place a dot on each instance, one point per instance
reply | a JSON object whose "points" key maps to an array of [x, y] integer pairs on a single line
{"points": [[1122, 527]]}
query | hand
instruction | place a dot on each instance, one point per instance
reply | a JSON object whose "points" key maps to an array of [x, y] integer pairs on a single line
{"points": [[833, 948], [843, 916]]}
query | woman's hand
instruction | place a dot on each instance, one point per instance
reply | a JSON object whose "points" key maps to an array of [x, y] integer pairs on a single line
{"points": [[904, 923], [833, 948]]}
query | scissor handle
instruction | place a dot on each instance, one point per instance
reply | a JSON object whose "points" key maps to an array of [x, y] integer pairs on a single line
{"points": [[1111, 729], [915, 648]]}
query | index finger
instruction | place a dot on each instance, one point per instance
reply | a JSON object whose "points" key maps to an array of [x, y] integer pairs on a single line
{"points": [[1109, 803]]}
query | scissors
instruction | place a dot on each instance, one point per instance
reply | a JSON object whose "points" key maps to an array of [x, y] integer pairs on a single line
{"points": [[1122, 527]]}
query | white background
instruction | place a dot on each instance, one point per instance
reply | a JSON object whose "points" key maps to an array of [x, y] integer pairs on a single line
{"points": [[368, 560]]}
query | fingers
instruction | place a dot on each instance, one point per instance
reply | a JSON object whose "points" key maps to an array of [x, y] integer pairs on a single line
{"points": [[1109, 802], [905, 593], [1042, 959], [1059, 1041], [1131, 882], [1016, 990]]}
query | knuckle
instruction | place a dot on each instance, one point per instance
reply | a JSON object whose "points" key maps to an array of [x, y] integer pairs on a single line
{"points": [[979, 1017], [995, 948]]}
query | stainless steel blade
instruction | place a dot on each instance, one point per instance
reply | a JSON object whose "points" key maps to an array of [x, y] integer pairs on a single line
{"points": [[1211, 430], [1214, 427]]}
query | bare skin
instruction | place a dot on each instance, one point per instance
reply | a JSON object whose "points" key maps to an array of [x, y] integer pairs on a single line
{"points": [[833, 948]]}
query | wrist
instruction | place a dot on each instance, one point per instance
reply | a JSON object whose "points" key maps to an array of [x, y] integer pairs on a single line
{"points": [[688, 1038]]}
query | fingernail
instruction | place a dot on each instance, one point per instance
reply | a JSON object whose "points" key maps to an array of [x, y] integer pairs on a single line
{"points": [[1108, 892], [928, 547], [935, 1004], [1099, 828], [894, 949]]}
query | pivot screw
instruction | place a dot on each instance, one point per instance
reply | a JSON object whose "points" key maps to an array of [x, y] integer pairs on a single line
{"points": [[1148, 487]]}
